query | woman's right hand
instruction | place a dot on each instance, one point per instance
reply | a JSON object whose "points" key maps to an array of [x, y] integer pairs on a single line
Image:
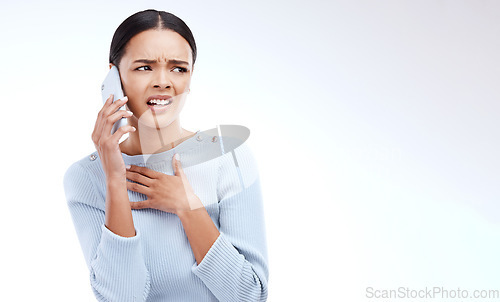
{"points": [[107, 143]]}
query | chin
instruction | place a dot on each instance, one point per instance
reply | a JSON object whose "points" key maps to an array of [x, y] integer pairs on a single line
{"points": [[154, 120], [163, 116]]}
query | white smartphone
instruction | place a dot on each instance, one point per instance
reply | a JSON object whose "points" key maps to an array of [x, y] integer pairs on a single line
{"points": [[112, 84]]}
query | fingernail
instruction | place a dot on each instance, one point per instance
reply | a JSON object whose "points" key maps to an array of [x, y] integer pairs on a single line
{"points": [[127, 167], [129, 112], [177, 156], [125, 98]]}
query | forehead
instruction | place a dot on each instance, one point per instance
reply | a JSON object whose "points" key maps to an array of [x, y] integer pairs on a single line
{"points": [[161, 45]]}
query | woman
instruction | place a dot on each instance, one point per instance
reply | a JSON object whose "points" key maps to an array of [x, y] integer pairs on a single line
{"points": [[153, 227]]}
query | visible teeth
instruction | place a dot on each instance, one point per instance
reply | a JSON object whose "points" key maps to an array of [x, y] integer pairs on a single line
{"points": [[160, 102]]}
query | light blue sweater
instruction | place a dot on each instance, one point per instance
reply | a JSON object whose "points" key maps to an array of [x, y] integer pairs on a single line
{"points": [[158, 264]]}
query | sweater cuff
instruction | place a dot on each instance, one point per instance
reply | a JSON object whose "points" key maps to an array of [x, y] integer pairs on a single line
{"points": [[222, 255], [119, 253], [108, 235], [221, 269], [118, 271]]}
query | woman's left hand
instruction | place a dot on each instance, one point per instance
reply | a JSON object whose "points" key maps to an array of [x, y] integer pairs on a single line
{"points": [[168, 193]]}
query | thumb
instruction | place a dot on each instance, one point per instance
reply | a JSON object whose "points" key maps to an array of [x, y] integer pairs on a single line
{"points": [[176, 163]]}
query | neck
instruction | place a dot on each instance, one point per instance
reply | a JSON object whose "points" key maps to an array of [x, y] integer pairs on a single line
{"points": [[149, 140]]}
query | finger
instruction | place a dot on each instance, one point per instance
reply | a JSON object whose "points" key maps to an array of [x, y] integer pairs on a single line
{"points": [[115, 106], [137, 177], [132, 186], [145, 171], [105, 107], [178, 169], [120, 132], [111, 109], [98, 125], [137, 205], [113, 118], [106, 112], [108, 102], [176, 163]]}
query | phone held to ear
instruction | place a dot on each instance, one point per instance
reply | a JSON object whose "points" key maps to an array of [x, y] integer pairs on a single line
{"points": [[112, 84]]}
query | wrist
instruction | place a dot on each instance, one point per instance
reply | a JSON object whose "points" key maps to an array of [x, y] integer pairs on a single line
{"points": [[194, 206], [185, 215], [116, 180]]}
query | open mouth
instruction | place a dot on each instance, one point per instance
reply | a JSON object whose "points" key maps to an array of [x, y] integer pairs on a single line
{"points": [[159, 103]]}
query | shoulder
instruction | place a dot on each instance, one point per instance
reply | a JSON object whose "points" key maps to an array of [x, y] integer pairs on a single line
{"points": [[82, 165], [79, 178], [229, 143], [238, 166]]}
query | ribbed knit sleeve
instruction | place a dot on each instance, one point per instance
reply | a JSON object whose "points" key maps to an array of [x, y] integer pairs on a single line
{"points": [[236, 267], [116, 264]]}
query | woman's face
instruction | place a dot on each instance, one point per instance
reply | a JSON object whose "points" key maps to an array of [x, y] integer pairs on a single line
{"points": [[157, 64]]}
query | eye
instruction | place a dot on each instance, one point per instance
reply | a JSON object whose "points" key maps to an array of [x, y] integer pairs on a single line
{"points": [[181, 69], [139, 68]]}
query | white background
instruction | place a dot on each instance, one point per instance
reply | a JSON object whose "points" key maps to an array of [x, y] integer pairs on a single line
{"points": [[375, 125]]}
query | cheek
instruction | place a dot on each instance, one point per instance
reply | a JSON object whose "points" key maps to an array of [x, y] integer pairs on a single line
{"points": [[132, 89], [182, 83], [128, 90], [180, 101]]}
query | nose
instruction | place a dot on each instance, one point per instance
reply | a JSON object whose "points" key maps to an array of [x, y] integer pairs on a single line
{"points": [[162, 80]]}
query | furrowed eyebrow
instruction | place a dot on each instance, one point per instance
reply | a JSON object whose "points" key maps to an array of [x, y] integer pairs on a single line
{"points": [[173, 61]]}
